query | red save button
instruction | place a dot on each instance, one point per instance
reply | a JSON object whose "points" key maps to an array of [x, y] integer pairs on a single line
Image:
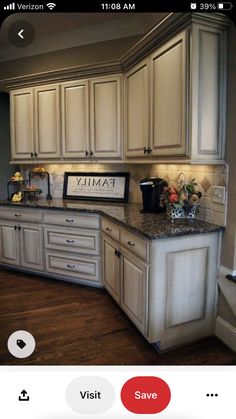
{"points": [[145, 395]]}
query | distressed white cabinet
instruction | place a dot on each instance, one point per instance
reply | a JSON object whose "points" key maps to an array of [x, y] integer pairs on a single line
{"points": [[47, 121], [175, 99], [105, 116], [35, 119], [21, 245], [22, 140], [137, 110], [75, 119], [167, 287], [91, 131]]}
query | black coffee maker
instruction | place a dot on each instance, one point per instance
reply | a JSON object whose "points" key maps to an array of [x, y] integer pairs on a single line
{"points": [[153, 191]]}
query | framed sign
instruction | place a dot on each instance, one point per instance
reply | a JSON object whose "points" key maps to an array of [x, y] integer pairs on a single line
{"points": [[113, 187]]}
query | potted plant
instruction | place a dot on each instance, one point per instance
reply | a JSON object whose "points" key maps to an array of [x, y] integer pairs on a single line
{"points": [[183, 200]]}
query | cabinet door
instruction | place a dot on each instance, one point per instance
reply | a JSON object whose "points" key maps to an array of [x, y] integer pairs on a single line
{"points": [[75, 130], [47, 121], [111, 271], [9, 249], [134, 289], [31, 246], [105, 116], [137, 109], [21, 103], [168, 101]]}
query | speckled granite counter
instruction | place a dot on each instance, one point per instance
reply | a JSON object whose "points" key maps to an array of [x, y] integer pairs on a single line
{"points": [[150, 226]]}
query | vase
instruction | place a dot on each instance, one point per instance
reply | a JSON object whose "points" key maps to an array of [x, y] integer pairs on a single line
{"points": [[175, 212], [191, 211]]}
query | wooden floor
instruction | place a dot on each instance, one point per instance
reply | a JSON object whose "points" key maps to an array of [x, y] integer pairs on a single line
{"points": [[76, 325]]}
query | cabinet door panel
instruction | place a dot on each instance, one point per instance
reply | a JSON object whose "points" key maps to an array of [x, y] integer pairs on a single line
{"points": [[134, 291], [111, 270], [21, 123], [9, 250], [31, 247], [137, 109], [105, 117], [47, 120], [168, 86], [75, 129]]}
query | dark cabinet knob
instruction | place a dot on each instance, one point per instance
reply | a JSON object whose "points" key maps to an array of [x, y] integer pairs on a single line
{"points": [[31, 154], [149, 150], [35, 154], [91, 153], [86, 153], [145, 150]]}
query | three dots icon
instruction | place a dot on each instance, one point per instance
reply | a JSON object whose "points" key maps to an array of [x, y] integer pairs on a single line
{"points": [[212, 395]]}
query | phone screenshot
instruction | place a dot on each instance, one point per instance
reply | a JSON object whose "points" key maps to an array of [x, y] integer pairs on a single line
{"points": [[117, 210]]}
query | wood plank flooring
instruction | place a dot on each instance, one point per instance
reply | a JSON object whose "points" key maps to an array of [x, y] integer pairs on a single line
{"points": [[77, 325]]}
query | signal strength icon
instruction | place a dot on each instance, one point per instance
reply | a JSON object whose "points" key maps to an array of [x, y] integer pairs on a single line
{"points": [[51, 5], [10, 6]]}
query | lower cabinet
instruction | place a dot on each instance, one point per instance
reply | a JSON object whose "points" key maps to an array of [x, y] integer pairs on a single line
{"points": [[167, 287], [134, 289], [21, 245]]}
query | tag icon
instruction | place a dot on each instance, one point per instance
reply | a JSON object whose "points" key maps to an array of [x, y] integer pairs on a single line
{"points": [[20, 343], [24, 396]]}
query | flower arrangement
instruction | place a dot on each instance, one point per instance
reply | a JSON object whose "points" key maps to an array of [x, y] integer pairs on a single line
{"points": [[183, 200]]}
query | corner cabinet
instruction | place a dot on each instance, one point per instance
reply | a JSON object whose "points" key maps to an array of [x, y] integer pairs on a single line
{"points": [[167, 287], [175, 99], [35, 117]]}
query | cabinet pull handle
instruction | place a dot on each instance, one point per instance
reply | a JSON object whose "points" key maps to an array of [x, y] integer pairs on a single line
{"points": [[19, 228], [15, 227], [145, 150], [17, 215], [130, 243], [35, 154], [70, 266], [117, 253], [149, 150], [68, 220], [31, 154], [86, 153], [108, 229], [91, 153], [70, 241]]}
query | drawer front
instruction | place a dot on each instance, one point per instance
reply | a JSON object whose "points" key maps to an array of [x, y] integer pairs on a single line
{"points": [[136, 245], [21, 214], [78, 267], [77, 241], [72, 220], [110, 229]]}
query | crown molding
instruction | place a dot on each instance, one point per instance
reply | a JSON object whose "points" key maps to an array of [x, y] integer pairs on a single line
{"points": [[169, 26]]}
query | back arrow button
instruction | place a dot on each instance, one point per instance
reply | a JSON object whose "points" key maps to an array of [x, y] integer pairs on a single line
{"points": [[20, 33]]}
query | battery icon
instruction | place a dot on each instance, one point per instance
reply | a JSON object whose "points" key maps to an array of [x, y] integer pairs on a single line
{"points": [[224, 6]]}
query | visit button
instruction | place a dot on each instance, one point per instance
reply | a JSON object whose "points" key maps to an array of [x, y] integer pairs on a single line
{"points": [[145, 395]]}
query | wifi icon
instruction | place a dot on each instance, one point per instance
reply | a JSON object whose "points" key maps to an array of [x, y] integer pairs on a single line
{"points": [[51, 5]]}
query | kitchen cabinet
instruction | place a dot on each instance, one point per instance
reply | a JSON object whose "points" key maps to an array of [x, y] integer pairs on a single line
{"points": [[72, 246], [21, 245], [95, 131], [35, 117], [166, 287], [125, 276], [175, 99], [105, 117]]}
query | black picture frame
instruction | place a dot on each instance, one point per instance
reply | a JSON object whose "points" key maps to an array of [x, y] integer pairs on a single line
{"points": [[96, 186]]}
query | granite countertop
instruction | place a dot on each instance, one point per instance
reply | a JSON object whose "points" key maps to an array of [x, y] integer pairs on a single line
{"points": [[150, 226]]}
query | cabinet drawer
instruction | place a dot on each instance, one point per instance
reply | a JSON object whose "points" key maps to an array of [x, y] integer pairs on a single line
{"points": [[136, 245], [77, 241], [21, 214], [79, 267], [72, 220], [110, 229]]}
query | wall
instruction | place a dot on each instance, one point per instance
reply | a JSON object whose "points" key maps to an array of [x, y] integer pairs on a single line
{"points": [[6, 170], [206, 176]]}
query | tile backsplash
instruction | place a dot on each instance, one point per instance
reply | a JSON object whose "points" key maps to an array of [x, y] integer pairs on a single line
{"points": [[206, 176]]}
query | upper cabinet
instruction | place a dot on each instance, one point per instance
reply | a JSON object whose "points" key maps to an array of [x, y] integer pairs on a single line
{"points": [[80, 119], [35, 116], [175, 99]]}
